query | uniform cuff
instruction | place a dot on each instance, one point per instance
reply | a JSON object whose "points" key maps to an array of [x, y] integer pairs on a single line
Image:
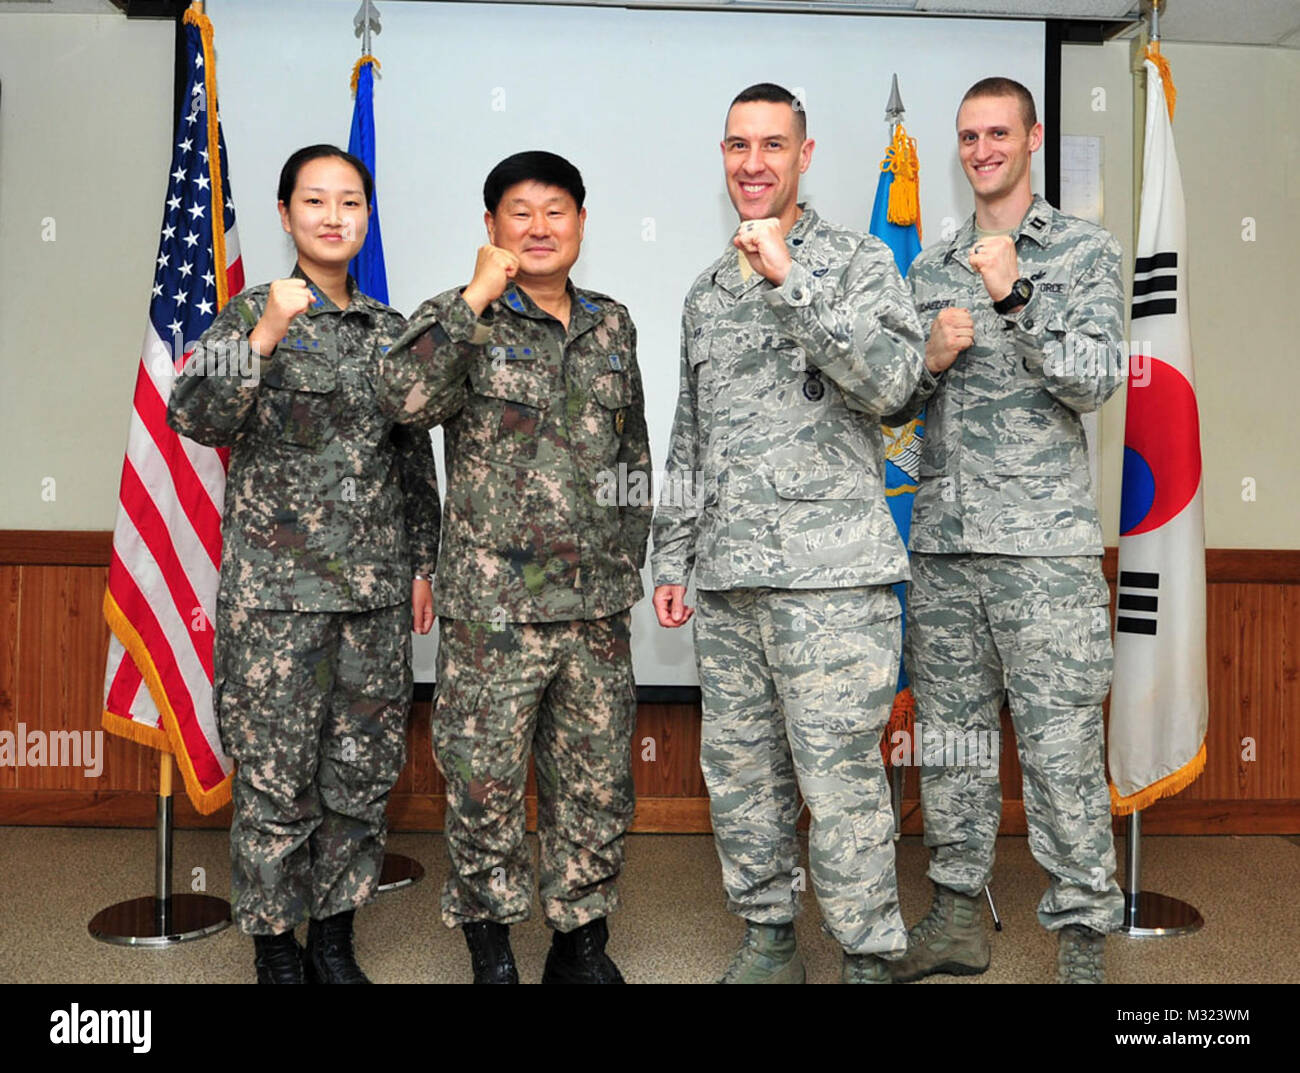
{"points": [[461, 323], [796, 291]]}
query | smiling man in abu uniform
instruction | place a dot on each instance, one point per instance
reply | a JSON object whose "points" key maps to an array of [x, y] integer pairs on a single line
{"points": [[793, 343], [1024, 314]]}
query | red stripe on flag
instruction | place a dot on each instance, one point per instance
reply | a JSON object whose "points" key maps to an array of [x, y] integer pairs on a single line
{"points": [[122, 692], [138, 612], [143, 512], [190, 493], [235, 277]]}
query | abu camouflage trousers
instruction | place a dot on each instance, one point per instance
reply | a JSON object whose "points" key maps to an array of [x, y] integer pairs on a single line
{"points": [[564, 692], [1035, 631], [313, 708], [797, 686]]}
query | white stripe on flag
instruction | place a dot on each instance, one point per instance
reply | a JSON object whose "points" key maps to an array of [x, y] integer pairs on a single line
{"points": [[207, 465], [142, 567]]}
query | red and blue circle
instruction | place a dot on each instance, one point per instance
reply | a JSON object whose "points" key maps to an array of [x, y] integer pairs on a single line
{"points": [[1162, 449]]}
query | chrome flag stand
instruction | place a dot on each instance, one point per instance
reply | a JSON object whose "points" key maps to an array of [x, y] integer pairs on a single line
{"points": [[163, 918], [1148, 915]]}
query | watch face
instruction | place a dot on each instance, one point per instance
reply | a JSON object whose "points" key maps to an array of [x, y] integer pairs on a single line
{"points": [[1023, 288]]}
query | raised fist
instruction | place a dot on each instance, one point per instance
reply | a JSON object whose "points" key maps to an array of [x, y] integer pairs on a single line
{"points": [[493, 270], [953, 331]]}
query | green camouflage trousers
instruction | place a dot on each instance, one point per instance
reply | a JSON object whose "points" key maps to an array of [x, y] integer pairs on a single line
{"points": [[797, 686], [565, 692], [313, 708], [1036, 631]]}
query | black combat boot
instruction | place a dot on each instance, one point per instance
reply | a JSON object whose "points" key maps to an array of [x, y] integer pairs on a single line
{"points": [[578, 957], [330, 959], [490, 953], [278, 959]]}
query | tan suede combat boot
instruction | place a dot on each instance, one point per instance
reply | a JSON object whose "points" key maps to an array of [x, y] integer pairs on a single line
{"points": [[1079, 955], [865, 969], [949, 939], [767, 955]]}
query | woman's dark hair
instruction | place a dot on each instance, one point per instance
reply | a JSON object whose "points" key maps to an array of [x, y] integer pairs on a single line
{"points": [[289, 173], [536, 165]]}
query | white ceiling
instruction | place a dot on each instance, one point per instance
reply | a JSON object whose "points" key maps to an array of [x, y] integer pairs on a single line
{"points": [[1240, 22]]}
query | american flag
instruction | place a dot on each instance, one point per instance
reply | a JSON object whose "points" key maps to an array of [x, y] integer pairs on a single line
{"points": [[163, 577]]}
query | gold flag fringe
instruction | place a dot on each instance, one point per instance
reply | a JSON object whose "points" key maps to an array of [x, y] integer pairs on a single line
{"points": [[356, 70], [1166, 787], [166, 737], [195, 18], [1166, 75], [902, 718]]}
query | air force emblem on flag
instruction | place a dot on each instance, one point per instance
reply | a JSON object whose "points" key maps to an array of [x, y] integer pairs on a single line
{"points": [[903, 450]]}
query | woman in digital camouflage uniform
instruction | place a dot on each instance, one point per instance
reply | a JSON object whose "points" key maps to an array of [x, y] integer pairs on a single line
{"points": [[331, 511]]}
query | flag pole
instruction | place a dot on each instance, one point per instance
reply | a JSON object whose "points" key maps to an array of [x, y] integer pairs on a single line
{"points": [[397, 870], [163, 918], [1148, 915]]}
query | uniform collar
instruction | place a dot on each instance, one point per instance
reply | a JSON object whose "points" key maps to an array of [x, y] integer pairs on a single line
{"points": [[584, 311], [357, 301], [727, 273], [1036, 224]]}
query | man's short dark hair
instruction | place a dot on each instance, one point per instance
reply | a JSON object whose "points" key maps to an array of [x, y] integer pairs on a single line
{"points": [[1005, 87], [536, 165], [770, 91]]}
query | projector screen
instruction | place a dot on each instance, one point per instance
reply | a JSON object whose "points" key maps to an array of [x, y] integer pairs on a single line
{"points": [[636, 99]]}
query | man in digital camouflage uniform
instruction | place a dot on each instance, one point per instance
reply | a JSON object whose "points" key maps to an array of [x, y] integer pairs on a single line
{"points": [[793, 343], [1024, 316], [330, 510], [541, 402]]}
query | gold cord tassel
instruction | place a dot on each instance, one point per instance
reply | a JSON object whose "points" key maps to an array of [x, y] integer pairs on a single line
{"points": [[904, 199]]}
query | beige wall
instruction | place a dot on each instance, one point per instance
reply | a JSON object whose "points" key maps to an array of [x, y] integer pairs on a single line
{"points": [[84, 140], [1238, 140], [85, 107]]}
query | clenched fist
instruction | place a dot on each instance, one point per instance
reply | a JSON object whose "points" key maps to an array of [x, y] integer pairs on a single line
{"points": [[762, 242], [287, 298], [493, 270], [952, 332], [670, 606], [995, 260]]}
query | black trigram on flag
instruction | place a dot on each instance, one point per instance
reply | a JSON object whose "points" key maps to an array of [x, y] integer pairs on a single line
{"points": [[1155, 276], [1137, 592]]}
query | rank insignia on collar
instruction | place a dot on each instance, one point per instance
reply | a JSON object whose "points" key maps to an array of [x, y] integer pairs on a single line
{"points": [[616, 363], [813, 388], [620, 422]]}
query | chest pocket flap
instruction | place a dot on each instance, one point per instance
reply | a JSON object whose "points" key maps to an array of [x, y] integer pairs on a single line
{"points": [[819, 482], [520, 382], [300, 368]]}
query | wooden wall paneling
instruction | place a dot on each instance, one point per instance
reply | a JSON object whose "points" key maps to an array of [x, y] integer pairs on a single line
{"points": [[10, 687], [53, 644], [1289, 700], [675, 770], [30, 710], [56, 547]]}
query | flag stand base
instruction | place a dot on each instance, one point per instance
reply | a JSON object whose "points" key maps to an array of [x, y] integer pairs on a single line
{"points": [[1156, 916], [1148, 915], [163, 918], [398, 872], [147, 922]]}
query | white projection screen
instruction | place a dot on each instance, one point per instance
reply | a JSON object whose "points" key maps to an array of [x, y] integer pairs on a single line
{"points": [[636, 99]]}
